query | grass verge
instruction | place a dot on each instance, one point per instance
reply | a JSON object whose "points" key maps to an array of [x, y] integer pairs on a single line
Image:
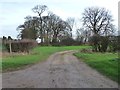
{"points": [[105, 63], [37, 54]]}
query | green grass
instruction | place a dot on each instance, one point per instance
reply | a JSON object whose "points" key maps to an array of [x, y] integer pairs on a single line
{"points": [[38, 54], [105, 63]]}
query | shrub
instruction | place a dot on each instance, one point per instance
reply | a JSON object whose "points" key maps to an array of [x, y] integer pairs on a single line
{"points": [[68, 42], [23, 45]]}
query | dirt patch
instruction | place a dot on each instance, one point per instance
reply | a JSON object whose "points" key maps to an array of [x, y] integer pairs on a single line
{"points": [[57, 72]]}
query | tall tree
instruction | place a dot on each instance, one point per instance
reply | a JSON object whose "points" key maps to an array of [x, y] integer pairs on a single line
{"points": [[58, 27], [82, 35], [47, 29], [71, 22], [99, 21], [40, 9]]}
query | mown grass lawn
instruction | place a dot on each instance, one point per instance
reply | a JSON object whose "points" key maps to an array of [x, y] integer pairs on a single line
{"points": [[37, 54], [105, 63]]}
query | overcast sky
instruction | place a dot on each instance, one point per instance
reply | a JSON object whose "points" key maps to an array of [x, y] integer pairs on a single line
{"points": [[12, 12]]}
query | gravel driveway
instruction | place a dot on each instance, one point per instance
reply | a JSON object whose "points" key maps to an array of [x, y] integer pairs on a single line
{"points": [[61, 70]]}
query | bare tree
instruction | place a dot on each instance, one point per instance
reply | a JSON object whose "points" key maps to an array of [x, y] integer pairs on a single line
{"points": [[53, 25], [39, 9], [58, 27], [47, 29], [99, 21], [83, 35], [79, 36], [71, 22]]}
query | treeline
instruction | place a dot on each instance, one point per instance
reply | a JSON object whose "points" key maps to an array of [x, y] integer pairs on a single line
{"points": [[97, 30], [50, 28]]}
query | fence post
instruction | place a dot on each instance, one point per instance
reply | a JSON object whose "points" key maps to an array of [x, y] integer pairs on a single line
{"points": [[10, 46]]}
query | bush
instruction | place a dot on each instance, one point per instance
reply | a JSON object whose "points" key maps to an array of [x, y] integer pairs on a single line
{"points": [[105, 43], [114, 44], [21, 45], [68, 42]]}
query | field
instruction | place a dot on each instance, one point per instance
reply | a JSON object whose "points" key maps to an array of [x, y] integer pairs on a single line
{"points": [[105, 63], [15, 62]]}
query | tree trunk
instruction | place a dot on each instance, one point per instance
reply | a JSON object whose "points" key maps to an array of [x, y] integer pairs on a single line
{"points": [[47, 38], [54, 38], [41, 38]]}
